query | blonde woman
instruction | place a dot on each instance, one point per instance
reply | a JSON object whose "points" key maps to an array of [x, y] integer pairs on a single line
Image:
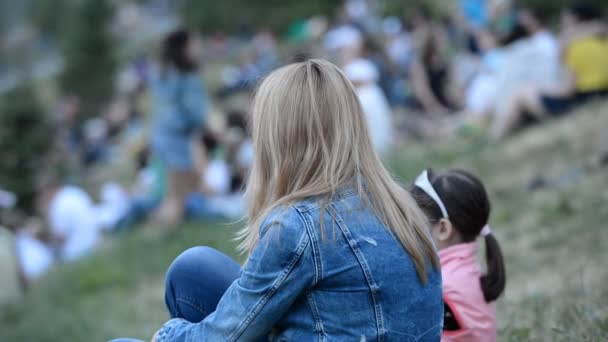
{"points": [[337, 251]]}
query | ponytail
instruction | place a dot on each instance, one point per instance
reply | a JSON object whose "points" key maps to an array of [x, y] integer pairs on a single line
{"points": [[466, 201], [493, 282]]}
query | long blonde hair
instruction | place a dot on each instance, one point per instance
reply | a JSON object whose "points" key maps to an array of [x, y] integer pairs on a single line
{"points": [[310, 138]]}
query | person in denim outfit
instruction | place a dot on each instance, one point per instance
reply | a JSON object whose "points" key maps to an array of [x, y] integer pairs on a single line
{"points": [[179, 102], [337, 251]]}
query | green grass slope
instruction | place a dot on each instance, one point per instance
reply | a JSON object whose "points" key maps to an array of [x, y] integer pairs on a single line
{"points": [[552, 239]]}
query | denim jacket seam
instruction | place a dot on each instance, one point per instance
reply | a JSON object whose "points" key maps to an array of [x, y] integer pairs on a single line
{"points": [[366, 271], [316, 254], [318, 273], [303, 244], [308, 206], [316, 315]]}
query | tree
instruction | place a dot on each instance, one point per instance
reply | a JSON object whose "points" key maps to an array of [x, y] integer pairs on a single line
{"points": [[24, 142], [44, 15], [553, 8], [89, 57], [233, 15]]}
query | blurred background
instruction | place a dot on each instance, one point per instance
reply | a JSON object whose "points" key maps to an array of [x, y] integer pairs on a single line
{"points": [[93, 207]]}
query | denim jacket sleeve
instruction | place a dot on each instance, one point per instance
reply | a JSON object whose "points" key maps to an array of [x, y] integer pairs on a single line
{"points": [[280, 268]]}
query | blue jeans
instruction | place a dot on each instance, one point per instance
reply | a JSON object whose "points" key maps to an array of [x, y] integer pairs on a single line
{"points": [[195, 282]]}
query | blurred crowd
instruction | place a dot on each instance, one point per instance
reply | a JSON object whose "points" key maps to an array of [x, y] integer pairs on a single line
{"points": [[179, 117], [490, 66]]}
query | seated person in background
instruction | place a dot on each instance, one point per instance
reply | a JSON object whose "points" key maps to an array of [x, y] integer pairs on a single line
{"points": [[364, 76], [115, 203], [240, 150], [35, 256], [215, 199], [24, 254], [389, 75], [530, 57], [457, 206], [71, 217], [430, 72], [583, 29], [241, 77], [342, 42], [147, 193], [585, 74], [211, 167]]}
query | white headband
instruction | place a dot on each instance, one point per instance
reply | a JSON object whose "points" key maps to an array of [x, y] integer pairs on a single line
{"points": [[424, 184]]}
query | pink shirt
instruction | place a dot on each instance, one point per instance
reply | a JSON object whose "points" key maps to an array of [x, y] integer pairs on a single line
{"points": [[473, 318]]}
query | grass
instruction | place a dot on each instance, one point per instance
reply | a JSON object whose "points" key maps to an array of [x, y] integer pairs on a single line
{"points": [[117, 291], [553, 241]]}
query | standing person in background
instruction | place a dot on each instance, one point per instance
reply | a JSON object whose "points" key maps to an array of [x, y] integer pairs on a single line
{"points": [[179, 104], [364, 75], [458, 208]]}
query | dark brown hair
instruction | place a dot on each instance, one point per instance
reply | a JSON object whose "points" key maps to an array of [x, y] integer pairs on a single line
{"points": [[174, 51], [585, 11], [468, 207]]}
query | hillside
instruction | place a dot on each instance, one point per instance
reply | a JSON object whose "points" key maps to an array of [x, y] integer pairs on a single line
{"points": [[549, 190]]}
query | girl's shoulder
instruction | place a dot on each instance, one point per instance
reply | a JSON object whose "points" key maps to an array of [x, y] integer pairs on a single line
{"points": [[461, 271]]}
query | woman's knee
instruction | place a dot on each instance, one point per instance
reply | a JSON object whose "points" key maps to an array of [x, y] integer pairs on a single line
{"points": [[189, 261], [182, 281], [196, 281]]}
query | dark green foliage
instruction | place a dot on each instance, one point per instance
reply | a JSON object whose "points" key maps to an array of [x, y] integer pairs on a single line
{"points": [[52, 18], [554, 7], [24, 142], [401, 8], [235, 15], [550, 8], [90, 62]]}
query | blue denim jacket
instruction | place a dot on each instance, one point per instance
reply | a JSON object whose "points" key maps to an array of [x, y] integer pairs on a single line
{"points": [[179, 105], [348, 279]]}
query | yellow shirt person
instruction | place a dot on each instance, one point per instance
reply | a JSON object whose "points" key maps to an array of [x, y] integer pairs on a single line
{"points": [[587, 58]]}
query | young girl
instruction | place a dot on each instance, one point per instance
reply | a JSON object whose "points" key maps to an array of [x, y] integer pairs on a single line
{"points": [[458, 209]]}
